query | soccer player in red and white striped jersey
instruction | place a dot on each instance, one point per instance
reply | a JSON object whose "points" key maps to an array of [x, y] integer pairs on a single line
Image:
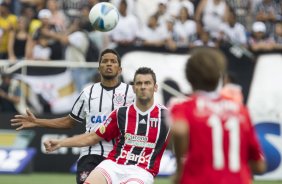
{"points": [[141, 135], [213, 136]]}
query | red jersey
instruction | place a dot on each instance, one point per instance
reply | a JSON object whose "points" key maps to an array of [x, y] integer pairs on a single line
{"points": [[141, 137], [221, 140]]}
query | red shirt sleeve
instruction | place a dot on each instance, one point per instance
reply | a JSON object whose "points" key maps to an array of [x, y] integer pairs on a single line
{"points": [[109, 128], [177, 112]]}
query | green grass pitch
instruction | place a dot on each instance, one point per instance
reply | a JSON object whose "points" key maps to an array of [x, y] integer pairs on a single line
{"points": [[50, 178]]}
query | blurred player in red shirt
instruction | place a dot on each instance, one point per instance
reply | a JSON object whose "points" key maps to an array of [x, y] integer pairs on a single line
{"points": [[214, 139]]}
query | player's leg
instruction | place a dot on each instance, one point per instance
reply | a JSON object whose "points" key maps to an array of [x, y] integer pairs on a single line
{"points": [[85, 165], [98, 176], [136, 175]]}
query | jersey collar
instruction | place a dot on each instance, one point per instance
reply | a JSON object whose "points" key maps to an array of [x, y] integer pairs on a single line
{"points": [[110, 88]]}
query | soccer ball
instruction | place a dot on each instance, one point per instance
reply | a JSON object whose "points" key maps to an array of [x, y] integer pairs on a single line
{"points": [[104, 16]]}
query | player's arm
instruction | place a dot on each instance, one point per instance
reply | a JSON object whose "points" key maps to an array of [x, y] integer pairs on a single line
{"points": [[179, 131], [29, 121], [257, 161], [81, 140], [258, 167]]}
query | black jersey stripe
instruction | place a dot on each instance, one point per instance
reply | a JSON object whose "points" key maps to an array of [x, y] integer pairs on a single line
{"points": [[80, 109], [125, 94], [162, 138], [141, 130], [101, 100], [89, 100], [122, 118], [102, 148], [114, 90], [89, 149], [76, 100]]}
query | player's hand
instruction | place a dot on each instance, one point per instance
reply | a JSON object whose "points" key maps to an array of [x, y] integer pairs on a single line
{"points": [[51, 145], [24, 121]]}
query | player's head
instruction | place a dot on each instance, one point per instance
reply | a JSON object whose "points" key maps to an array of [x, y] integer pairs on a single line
{"points": [[111, 51], [204, 68], [144, 84], [109, 64]]}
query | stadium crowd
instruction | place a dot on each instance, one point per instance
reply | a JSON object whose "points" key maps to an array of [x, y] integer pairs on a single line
{"points": [[49, 30], [33, 29]]}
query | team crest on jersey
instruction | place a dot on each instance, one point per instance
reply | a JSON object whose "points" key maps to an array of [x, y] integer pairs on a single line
{"points": [[102, 129], [118, 99], [154, 122], [84, 175]]}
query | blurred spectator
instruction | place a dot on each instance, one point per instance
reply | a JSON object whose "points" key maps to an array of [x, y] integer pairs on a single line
{"points": [[184, 27], [8, 21], [259, 40], [9, 93], [125, 32], [41, 50], [278, 35], [1, 34], [77, 44], [267, 12], [44, 16], [174, 6], [204, 40], [131, 5], [152, 34], [36, 4], [18, 38], [242, 11], [232, 31], [161, 12], [101, 39], [29, 13], [72, 8], [58, 17], [171, 35], [212, 13]]}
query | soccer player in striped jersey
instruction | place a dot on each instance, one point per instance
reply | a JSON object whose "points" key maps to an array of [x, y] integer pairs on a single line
{"points": [[141, 135], [92, 106], [213, 136]]}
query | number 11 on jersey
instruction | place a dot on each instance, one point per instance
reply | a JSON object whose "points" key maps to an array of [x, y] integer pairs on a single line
{"points": [[233, 127]]}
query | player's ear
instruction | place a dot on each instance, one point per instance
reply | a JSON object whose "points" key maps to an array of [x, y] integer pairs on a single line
{"points": [[133, 87], [156, 87], [120, 70]]}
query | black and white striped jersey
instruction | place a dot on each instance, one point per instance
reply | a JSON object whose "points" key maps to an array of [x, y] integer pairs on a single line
{"points": [[93, 106]]}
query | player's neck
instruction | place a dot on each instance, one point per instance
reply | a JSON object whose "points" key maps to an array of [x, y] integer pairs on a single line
{"points": [[110, 83], [144, 105]]}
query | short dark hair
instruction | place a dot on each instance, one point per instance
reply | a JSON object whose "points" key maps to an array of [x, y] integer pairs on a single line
{"points": [[204, 68], [110, 51], [145, 70]]}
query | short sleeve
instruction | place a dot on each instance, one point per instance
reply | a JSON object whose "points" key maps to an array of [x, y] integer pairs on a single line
{"points": [[176, 112], [109, 129], [78, 113]]}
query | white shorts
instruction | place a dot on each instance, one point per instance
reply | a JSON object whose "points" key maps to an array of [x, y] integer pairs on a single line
{"points": [[124, 174]]}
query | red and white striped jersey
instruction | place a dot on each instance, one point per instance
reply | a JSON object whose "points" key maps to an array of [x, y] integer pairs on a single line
{"points": [[141, 137]]}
